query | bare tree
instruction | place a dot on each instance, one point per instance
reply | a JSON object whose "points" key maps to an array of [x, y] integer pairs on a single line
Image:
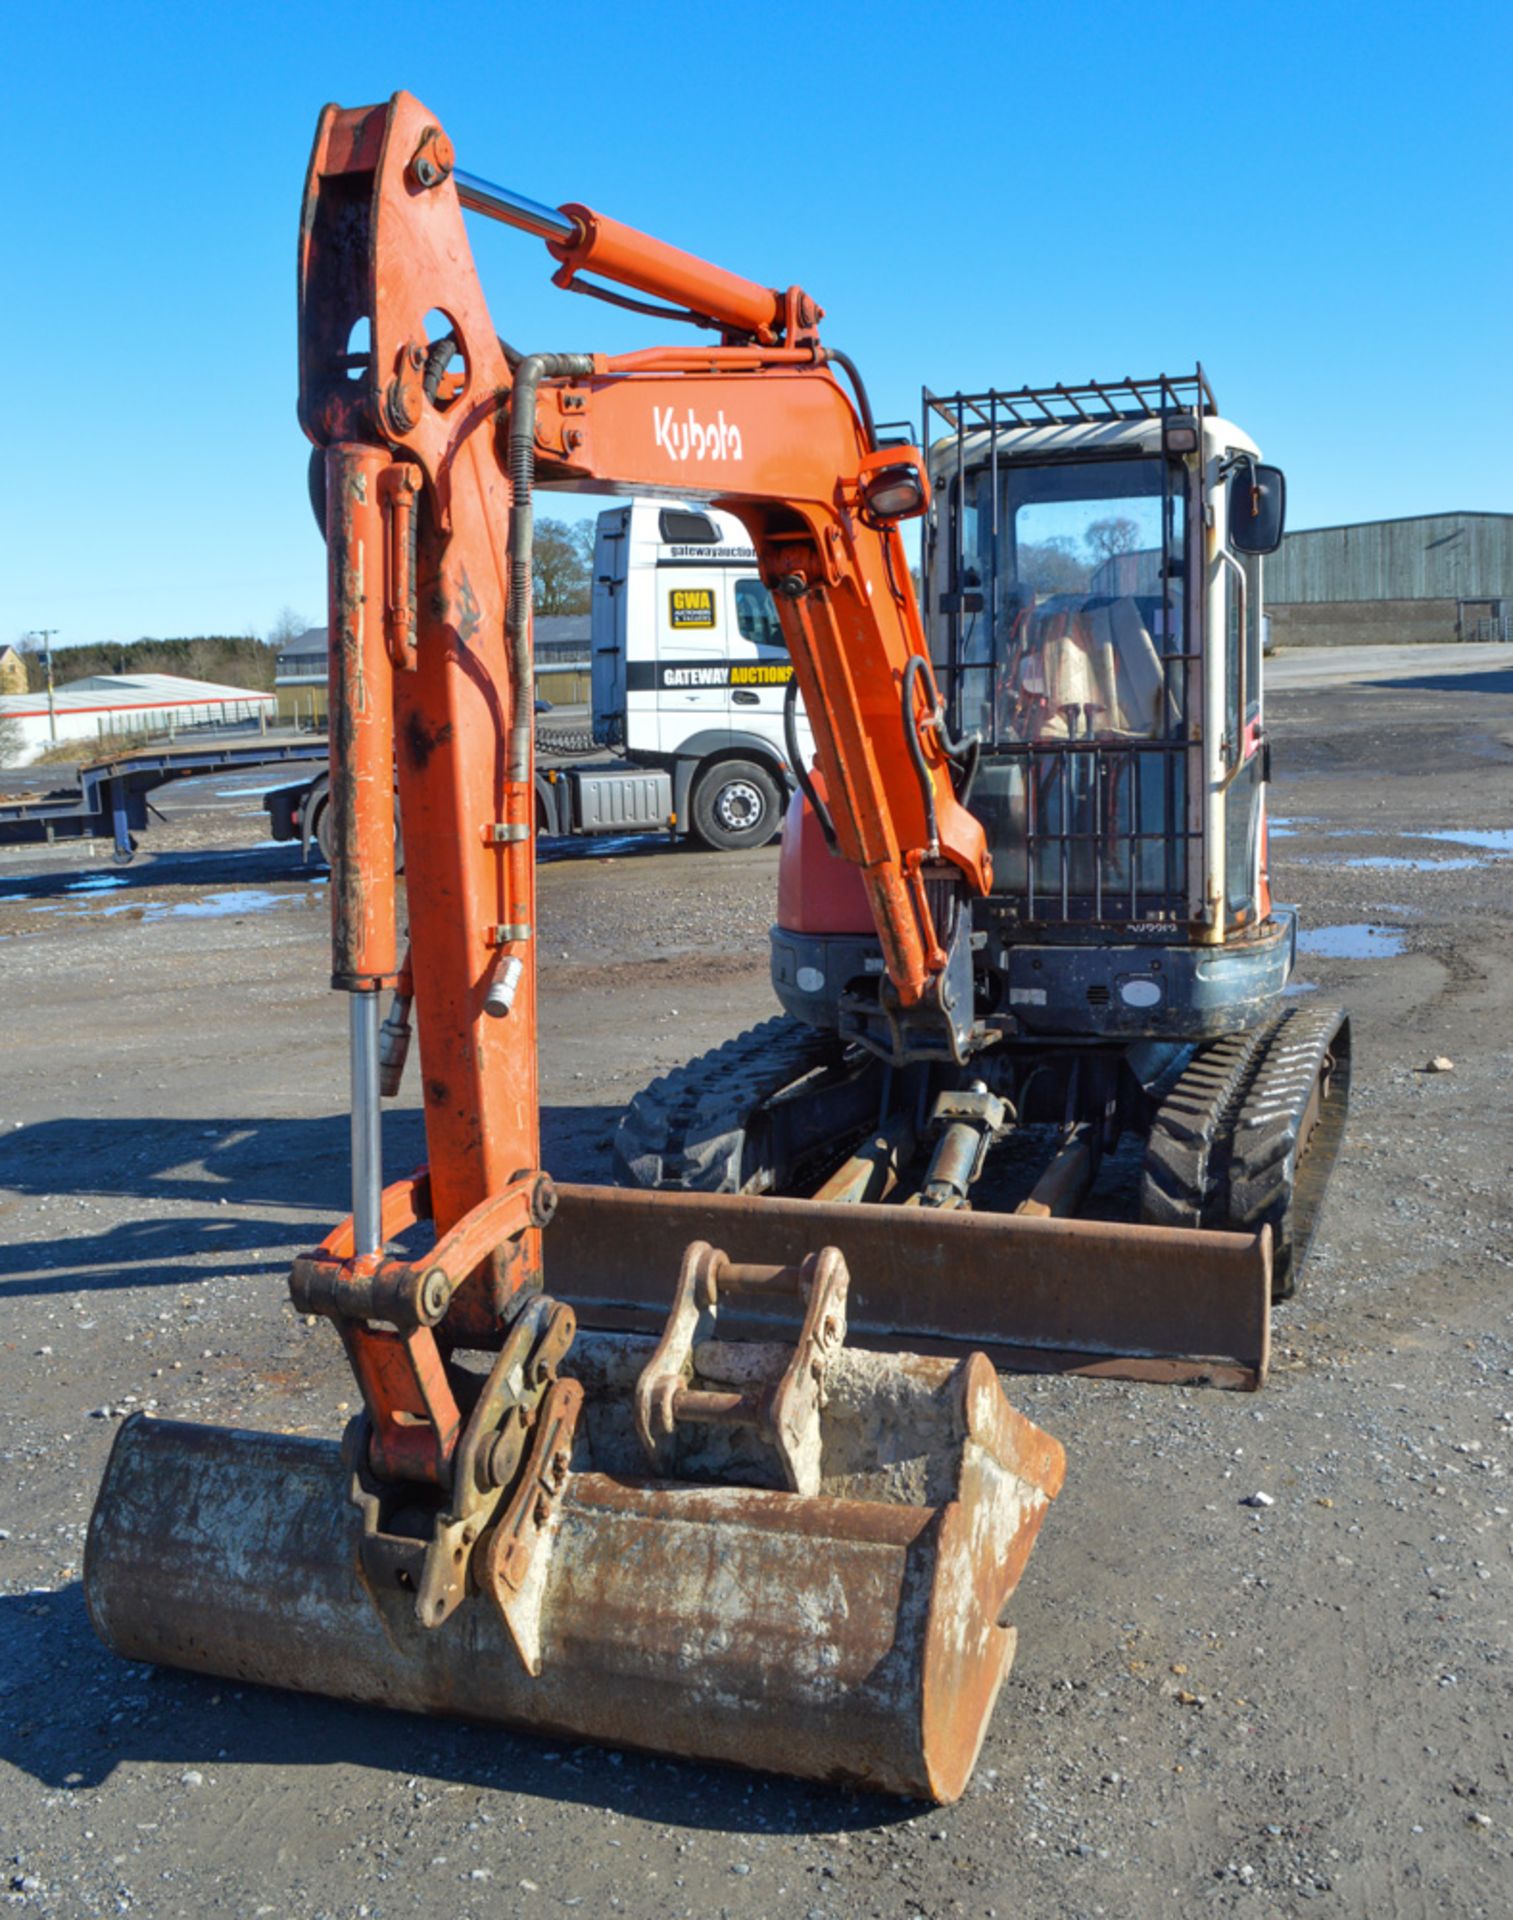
{"points": [[1117, 534], [12, 740], [287, 628], [1053, 565], [563, 556]]}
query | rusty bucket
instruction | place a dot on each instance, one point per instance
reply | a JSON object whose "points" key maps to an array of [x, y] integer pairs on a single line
{"points": [[643, 1587]]}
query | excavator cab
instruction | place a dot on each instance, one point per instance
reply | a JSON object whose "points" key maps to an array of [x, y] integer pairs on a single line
{"points": [[1098, 645], [1080, 631]]}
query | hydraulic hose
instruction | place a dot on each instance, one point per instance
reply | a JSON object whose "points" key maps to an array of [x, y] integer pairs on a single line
{"points": [[965, 755], [800, 771], [529, 374], [912, 670], [863, 403], [971, 749]]}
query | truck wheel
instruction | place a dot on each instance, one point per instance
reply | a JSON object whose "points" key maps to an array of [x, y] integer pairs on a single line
{"points": [[736, 804]]}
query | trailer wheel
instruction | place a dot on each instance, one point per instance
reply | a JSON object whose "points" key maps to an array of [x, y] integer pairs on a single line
{"points": [[322, 833], [322, 836], [736, 804]]}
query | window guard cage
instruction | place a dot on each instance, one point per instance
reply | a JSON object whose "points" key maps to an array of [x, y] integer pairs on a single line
{"points": [[1092, 402], [1086, 830]]}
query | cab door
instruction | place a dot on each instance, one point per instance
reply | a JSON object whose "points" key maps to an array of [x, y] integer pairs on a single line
{"points": [[1245, 803], [760, 667]]}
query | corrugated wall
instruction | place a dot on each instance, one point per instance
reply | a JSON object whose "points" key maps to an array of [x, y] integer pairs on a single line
{"points": [[1452, 556]]}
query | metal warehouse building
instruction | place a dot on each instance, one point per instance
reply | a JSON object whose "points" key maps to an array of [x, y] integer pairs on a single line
{"points": [[562, 649], [1439, 576]]}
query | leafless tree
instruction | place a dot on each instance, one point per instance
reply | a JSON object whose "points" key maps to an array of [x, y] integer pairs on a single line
{"points": [[1117, 534], [287, 628], [1053, 566]]}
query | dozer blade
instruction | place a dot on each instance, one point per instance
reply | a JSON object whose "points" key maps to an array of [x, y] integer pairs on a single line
{"points": [[853, 1634], [1035, 1295]]}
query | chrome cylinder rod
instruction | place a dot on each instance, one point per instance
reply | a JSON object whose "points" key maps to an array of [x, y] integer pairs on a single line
{"points": [[499, 203], [367, 1124]]}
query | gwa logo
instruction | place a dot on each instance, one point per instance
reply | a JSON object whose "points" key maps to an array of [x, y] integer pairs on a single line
{"points": [[690, 439]]}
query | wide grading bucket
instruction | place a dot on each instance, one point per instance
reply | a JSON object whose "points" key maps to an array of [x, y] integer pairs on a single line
{"points": [[1068, 1296], [853, 1631]]}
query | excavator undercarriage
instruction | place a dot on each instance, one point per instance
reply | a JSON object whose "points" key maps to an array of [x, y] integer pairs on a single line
{"points": [[1235, 1134]]}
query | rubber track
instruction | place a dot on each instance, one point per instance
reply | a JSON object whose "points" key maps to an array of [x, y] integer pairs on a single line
{"points": [[1184, 1151], [691, 1129], [1268, 1184], [1223, 1151]]}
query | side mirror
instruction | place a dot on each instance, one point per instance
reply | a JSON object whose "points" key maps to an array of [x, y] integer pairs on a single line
{"points": [[1257, 508]]}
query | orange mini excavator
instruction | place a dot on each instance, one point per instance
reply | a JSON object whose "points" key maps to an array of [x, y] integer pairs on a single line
{"points": [[618, 1472]]}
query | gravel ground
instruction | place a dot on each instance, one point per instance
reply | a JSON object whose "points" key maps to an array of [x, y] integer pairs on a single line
{"points": [[1218, 1706]]}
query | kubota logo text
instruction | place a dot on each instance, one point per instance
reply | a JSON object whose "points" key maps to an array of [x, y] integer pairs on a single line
{"points": [[693, 439]]}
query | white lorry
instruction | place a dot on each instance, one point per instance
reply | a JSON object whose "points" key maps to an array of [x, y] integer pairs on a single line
{"points": [[689, 679]]}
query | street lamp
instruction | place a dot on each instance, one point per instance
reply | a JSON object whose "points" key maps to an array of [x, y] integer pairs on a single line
{"points": [[45, 635]]}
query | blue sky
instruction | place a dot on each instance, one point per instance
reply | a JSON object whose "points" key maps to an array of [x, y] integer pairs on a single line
{"points": [[1313, 199]]}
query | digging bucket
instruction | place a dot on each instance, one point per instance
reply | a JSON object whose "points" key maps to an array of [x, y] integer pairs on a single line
{"points": [[851, 1631]]}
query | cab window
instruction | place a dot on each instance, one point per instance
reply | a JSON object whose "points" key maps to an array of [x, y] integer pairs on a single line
{"points": [[1250, 641], [755, 616]]}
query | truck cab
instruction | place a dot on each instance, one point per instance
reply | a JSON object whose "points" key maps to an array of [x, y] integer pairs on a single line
{"points": [[690, 671]]}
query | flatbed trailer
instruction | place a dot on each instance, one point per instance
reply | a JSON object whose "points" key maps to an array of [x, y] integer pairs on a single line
{"points": [[107, 798]]}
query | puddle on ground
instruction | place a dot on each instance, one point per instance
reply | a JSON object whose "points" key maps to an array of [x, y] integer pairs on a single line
{"points": [[217, 906], [1400, 863], [1354, 942], [97, 883], [1489, 839], [598, 846]]}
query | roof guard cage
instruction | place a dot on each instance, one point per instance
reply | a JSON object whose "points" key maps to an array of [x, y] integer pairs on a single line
{"points": [[1094, 402]]}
